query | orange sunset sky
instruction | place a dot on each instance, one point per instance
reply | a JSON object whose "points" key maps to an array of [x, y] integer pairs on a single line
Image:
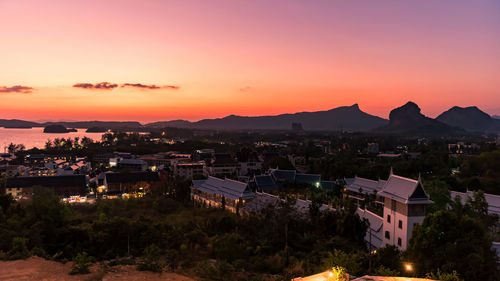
{"points": [[201, 59]]}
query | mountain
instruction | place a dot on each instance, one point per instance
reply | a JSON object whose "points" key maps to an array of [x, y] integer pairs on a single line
{"points": [[408, 120], [495, 116], [15, 123], [341, 118], [470, 118]]}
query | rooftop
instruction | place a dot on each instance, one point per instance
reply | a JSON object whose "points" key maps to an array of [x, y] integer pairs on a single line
{"points": [[405, 190]]}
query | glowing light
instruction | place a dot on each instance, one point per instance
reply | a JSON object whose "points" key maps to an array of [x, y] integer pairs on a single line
{"points": [[408, 267], [330, 274]]}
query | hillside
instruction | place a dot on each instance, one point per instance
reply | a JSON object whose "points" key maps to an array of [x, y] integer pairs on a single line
{"points": [[341, 118], [471, 119], [15, 123], [408, 120]]}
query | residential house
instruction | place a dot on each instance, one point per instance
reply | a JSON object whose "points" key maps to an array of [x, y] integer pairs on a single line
{"points": [[189, 170], [63, 186], [223, 164]]}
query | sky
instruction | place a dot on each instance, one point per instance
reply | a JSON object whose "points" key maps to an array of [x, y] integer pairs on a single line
{"points": [[151, 60]]}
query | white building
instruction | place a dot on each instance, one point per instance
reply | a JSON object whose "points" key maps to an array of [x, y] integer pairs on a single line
{"points": [[404, 207]]}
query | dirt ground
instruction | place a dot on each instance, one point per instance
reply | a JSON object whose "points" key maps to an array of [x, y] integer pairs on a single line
{"points": [[36, 268]]}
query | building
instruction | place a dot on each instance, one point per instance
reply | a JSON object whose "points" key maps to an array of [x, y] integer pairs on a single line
{"points": [[128, 163], [358, 188], [12, 170], [189, 170], [223, 164], [374, 233], [405, 201], [263, 200], [165, 159], [249, 164], [127, 182], [40, 159], [213, 191], [63, 186], [492, 200], [274, 178]]}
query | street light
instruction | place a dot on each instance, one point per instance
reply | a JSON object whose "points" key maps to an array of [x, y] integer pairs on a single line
{"points": [[408, 267]]}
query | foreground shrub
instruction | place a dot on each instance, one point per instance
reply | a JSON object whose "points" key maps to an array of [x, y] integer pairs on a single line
{"points": [[81, 264], [19, 249], [151, 259]]}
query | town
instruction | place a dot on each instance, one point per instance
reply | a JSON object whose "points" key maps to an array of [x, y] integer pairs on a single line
{"points": [[383, 189]]}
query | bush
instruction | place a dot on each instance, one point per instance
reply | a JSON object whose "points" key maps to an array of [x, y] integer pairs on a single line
{"points": [[19, 249], [81, 264], [150, 260], [384, 271], [219, 270], [442, 276], [39, 252]]}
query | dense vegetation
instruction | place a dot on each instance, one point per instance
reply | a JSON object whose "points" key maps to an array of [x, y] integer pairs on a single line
{"points": [[163, 233], [210, 243]]}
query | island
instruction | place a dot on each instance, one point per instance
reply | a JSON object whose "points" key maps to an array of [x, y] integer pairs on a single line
{"points": [[57, 129]]}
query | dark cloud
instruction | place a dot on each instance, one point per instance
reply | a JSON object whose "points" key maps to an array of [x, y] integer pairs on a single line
{"points": [[142, 86], [97, 86], [245, 89], [110, 86], [150, 87], [16, 89]]}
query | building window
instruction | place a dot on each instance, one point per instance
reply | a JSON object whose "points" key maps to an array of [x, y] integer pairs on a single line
{"points": [[389, 218], [387, 235], [400, 224], [399, 242]]}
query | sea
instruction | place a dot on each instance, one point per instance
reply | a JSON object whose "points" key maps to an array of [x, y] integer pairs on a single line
{"points": [[35, 137]]}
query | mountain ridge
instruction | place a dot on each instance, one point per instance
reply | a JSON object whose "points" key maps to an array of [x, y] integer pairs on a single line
{"points": [[344, 118], [339, 118], [470, 118], [409, 120]]}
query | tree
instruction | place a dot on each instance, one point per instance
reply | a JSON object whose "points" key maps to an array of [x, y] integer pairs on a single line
{"points": [[223, 204], [449, 241], [81, 264]]}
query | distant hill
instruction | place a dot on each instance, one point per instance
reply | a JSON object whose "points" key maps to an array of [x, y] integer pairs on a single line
{"points": [[15, 123], [345, 117], [495, 116], [470, 118], [100, 124], [408, 120], [173, 123]]}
